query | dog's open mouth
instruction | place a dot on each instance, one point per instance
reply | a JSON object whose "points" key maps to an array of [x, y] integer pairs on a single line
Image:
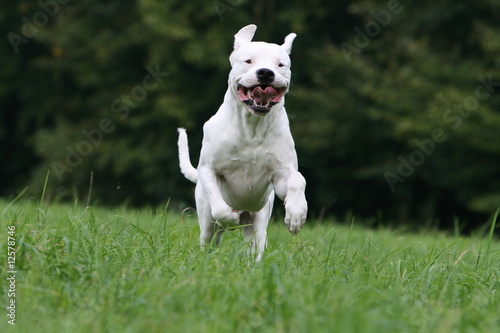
{"points": [[261, 98]]}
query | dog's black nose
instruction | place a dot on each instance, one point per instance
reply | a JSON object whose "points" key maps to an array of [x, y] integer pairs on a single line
{"points": [[265, 75]]}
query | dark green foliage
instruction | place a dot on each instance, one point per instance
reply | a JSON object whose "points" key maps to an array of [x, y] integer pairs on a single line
{"points": [[394, 104]]}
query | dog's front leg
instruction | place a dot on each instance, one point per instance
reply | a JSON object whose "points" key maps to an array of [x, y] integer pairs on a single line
{"points": [[210, 183], [292, 191]]}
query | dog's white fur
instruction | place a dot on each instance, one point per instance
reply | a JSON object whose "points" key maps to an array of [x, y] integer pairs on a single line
{"points": [[248, 153]]}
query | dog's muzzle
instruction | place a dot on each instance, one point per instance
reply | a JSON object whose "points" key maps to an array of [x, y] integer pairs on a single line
{"points": [[261, 98]]}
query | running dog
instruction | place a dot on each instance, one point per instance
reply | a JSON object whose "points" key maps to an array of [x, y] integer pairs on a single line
{"points": [[248, 153]]}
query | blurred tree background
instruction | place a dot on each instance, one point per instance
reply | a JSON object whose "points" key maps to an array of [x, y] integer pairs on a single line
{"points": [[394, 106]]}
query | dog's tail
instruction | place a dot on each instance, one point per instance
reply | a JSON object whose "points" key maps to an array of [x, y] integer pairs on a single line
{"points": [[187, 168]]}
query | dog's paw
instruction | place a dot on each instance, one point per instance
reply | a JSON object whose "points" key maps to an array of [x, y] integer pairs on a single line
{"points": [[295, 217], [225, 215]]}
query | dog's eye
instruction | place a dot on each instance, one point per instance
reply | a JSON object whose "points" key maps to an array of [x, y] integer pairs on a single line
{"points": [[280, 64], [249, 61]]}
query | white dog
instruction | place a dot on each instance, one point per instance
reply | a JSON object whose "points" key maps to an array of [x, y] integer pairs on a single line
{"points": [[248, 153]]}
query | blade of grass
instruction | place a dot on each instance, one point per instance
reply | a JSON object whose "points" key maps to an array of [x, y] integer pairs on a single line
{"points": [[490, 236], [15, 199], [43, 212]]}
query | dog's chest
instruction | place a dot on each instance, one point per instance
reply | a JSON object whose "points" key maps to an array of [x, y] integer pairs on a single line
{"points": [[246, 178], [246, 160]]}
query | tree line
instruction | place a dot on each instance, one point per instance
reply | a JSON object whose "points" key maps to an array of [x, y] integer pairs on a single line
{"points": [[394, 105]]}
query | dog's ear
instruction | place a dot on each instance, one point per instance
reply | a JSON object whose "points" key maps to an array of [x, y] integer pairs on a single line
{"points": [[245, 35], [288, 42]]}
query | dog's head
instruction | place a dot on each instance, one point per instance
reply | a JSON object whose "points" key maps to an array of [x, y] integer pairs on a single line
{"points": [[260, 74]]}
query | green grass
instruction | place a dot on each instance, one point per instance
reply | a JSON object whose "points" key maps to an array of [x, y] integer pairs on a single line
{"points": [[120, 270]]}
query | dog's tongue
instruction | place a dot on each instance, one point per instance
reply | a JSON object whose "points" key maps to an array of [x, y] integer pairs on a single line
{"points": [[261, 97]]}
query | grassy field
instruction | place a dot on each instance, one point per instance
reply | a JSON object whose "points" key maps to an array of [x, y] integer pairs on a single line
{"points": [[100, 270]]}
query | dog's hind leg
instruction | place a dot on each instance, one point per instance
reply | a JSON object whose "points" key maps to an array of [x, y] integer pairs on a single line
{"points": [[209, 229], [256, 228]]}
